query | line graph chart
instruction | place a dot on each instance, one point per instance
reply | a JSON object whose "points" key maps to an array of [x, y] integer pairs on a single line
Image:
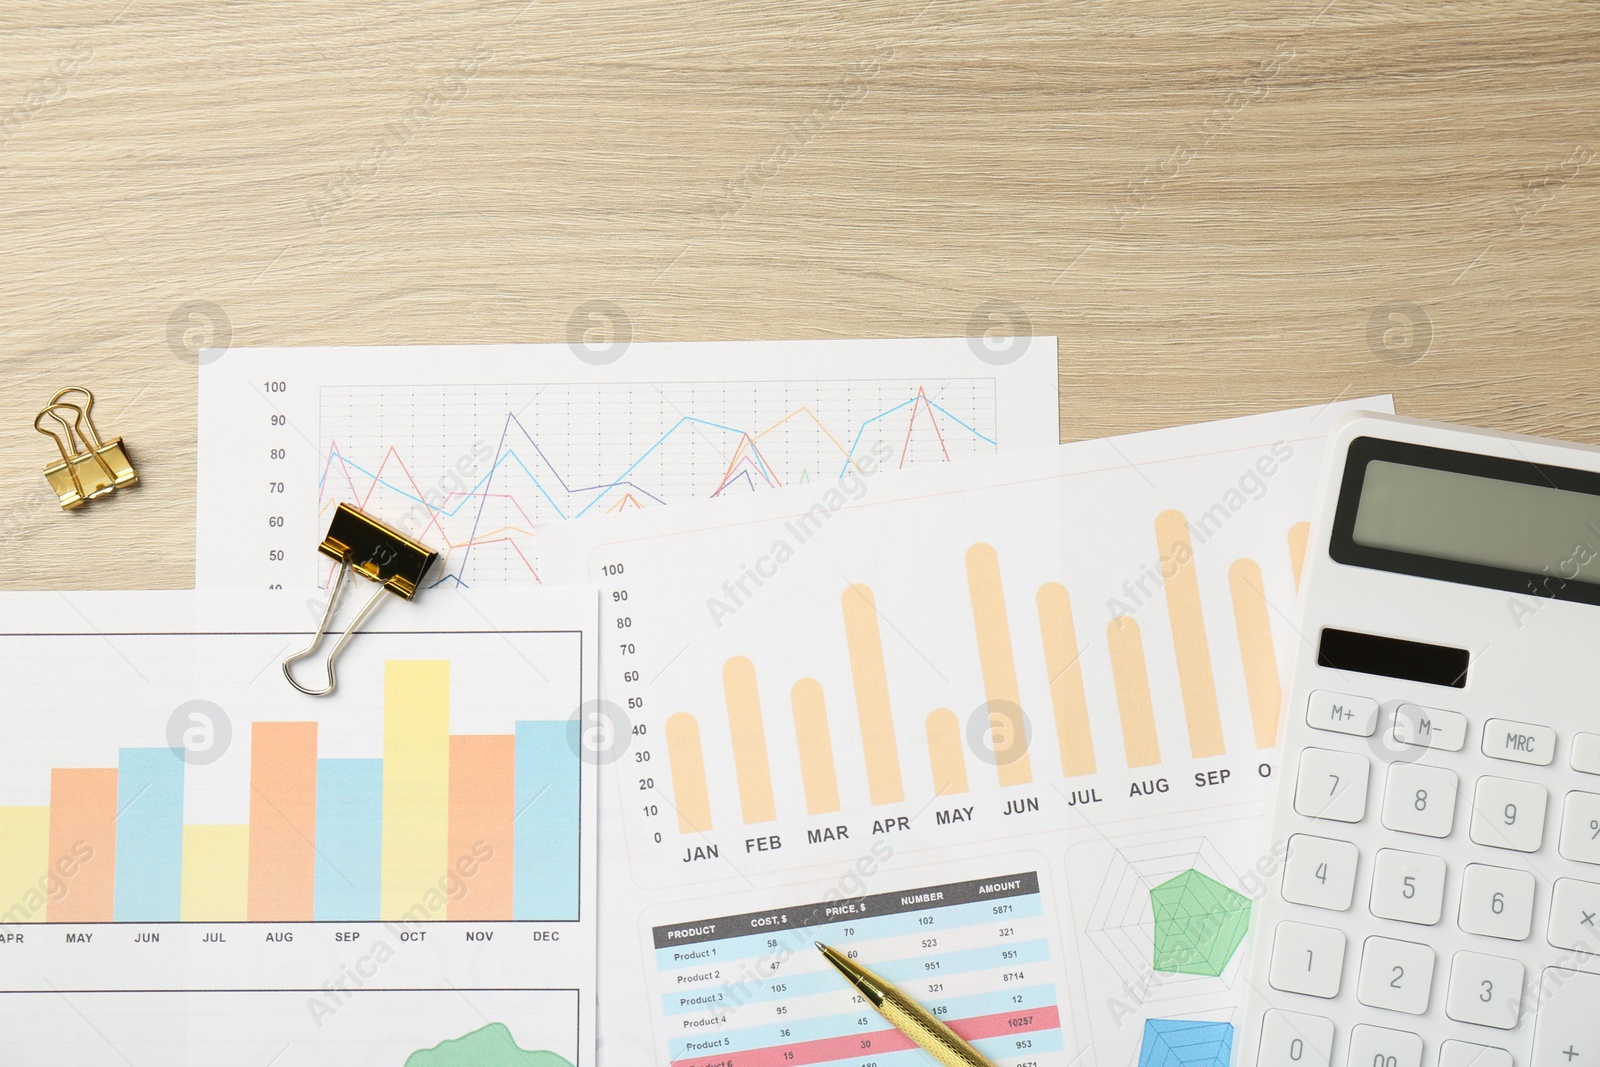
{"points": [[471, 469], [469, 447]]}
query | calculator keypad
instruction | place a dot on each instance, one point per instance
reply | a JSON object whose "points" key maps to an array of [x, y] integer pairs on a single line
{"points": [[1508, 813], [1440, 777], [1420, 800], [1320, 872], [1379, 1044], [1575, 916], [1332, 785], [1294, 1039], [1397, 975], [1580, 828], [1308, 959], [1520, 742], [1486, 990], [1496, 902], [1407, 886]]}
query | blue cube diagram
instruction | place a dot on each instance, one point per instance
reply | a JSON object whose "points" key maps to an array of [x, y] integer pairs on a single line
{"points": [[1185, 1043]]}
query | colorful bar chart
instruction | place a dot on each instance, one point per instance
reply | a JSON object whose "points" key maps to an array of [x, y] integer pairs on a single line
{"points": [[750, 989], [995, 655], [443, 827]]}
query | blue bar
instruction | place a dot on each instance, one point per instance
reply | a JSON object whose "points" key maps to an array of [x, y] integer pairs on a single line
{"points": [[149, 882], [546, 824], [349, 840]]}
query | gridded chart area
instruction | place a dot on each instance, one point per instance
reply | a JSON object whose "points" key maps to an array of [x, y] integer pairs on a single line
{"points": [[470, 469], [1164, 914], [1186, 1043]]}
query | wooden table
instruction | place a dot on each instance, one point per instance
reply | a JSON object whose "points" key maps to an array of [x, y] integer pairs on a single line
{"points": [[1219, 213]]}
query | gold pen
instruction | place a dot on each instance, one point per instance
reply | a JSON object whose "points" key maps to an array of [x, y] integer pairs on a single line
{"points": [[909, 1017]]}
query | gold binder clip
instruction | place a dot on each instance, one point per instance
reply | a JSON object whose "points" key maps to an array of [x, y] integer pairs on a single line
{"points": [[89, 467], [362, 544]]}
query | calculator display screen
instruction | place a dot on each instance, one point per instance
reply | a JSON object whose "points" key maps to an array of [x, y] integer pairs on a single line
{"points": [[1479, 520], [1474, 519]]}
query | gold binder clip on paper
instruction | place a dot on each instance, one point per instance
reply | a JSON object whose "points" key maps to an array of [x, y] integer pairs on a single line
{"points": [[89, 467], [362, 544]]}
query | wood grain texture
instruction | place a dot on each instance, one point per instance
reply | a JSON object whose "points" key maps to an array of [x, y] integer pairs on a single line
{"points": [[1209, 205]]}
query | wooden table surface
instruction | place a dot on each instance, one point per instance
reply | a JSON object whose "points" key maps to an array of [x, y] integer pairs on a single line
{"points": [[1218, 212]]}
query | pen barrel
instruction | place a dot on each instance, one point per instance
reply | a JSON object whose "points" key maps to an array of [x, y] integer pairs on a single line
{"points": [[941, 1042]]}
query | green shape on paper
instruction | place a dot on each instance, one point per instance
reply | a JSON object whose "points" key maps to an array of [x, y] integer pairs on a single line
{"points": [[491, 1046], [1200, 924]]}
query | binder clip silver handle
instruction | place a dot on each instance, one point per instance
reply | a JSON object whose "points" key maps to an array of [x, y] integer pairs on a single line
{"points": [[377, 552]]}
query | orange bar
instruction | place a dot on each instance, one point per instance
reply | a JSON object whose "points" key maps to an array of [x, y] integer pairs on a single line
{"points": [[816, 747], [1255, 646], [83, 844], [750, 766], [944, 753], [283, 821], [1299, 534], [483, 792], [1066, 680], [1008, 732], [865, 643], [689, 791], [1133, 692], [1195, 679]]}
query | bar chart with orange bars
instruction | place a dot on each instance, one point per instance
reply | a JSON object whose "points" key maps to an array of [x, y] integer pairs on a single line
{"points": [[473, 827], [944, 745]]}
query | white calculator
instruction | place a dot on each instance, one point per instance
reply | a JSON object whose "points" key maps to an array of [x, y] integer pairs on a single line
{"points": [[1432, 883]]}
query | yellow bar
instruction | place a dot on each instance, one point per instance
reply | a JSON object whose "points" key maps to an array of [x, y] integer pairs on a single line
{"points": [[871, 680], [944, 753], [1255, 646], [24, 865], [1061, 656], [216, 873], [1008, 733], [1299, 534], [1195, 679], [416, 788], [816, 747], [689, 792], [1133, 692], [750, 766]]}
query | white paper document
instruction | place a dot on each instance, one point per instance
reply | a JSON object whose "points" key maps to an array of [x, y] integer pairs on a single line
{"points": [[1004, 729], [466, 448], [199, 865]]}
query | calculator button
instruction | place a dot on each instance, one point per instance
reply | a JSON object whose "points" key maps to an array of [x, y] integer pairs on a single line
{"points": [[1342, 714], [1429, 727], [1520, 741], [1580, 828], [1290, 1039], [1320, 872], [1461, 1054], [1486, 990], [1407, 886], [1496, 902], [1332, 785], [1586, 753], [1564, 1030], [1420, 800], [1575, 916], [1509, 814], [1378, 1044], [1397, 975], [1307, 959]]}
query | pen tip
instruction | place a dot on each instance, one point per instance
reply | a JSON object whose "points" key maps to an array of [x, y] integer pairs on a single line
{"points": [[820, 946]]}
